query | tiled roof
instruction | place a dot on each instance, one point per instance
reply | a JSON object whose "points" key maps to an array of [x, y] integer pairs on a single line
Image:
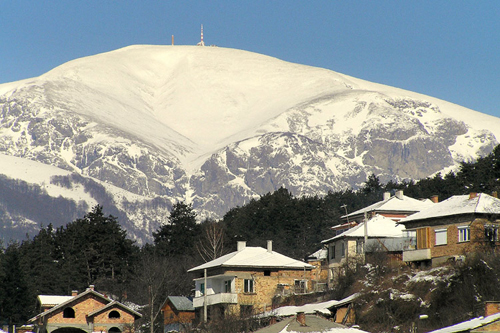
{"points": [[181, 303]]}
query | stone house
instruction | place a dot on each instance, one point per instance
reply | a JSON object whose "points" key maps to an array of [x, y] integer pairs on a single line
{"points": [[87, 312], [381, 235], [452, 228], [178, 313], [245, 282]]}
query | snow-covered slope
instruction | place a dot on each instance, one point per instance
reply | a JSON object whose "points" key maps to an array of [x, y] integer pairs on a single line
{"points": [[217, 126]]}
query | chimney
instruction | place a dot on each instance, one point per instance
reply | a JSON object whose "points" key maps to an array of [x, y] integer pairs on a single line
{"points": [[270, 246], [91, 287], [301, 318], [491, 308], [172, 39], [387, 195], [494, 194], [74, 292], [472, 195], [241, 245], [399, 194], [435, 198]]}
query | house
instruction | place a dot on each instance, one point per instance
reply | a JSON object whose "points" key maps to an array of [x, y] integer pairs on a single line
{"points": [[489, 323], [88, 311], [178, 313], [319, 260], [452, 228], [340, 312], [381, 233], [245, 282]]}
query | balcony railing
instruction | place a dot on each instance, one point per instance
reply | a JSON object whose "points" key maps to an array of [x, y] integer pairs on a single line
{"points": [[221, 298]]}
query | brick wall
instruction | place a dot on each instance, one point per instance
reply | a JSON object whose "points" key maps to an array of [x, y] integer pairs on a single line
{"points": [[82, 308]]}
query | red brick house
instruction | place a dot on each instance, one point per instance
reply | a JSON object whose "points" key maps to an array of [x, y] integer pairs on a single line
{"points": [[452, 228], [87, 312]]}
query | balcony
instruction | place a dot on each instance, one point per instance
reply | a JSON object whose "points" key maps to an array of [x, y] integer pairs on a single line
{"points": [[220, 298], [417, 255]]}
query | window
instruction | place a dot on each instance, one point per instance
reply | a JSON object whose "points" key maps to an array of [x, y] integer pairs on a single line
{"points": [[227, 286], [343, 249], [332, 252], [463, 234], [248, 286], [69, 313], [441, 236], [300, 286], [202, 288], [491, 233], [267, 272], [114, 314]]}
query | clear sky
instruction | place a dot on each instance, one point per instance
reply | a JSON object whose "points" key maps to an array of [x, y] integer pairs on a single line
{"points": [[446, 49]]}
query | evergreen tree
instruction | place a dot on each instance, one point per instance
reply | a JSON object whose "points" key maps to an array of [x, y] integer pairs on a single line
{"points": [[16, 303], [179, 236]]}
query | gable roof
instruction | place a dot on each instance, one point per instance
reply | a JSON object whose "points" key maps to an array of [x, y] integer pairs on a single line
{"points": [[115, 304], [72, 299], [254, 257], [377, 227], [469, 325], [397, 203], [181, 303], [458, 205]]}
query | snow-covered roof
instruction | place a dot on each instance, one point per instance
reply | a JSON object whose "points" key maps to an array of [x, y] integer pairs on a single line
{"points": [[396, 203], [318, 255], [458, 205], [254, 257], [47, 300], [469, 325], [311, 308], [377, 226]]}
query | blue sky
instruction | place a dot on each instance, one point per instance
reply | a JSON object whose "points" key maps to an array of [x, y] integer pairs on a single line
{"points": [[446, 49]]}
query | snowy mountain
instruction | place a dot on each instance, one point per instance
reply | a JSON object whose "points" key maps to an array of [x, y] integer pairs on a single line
{"points": [[151, 125]]}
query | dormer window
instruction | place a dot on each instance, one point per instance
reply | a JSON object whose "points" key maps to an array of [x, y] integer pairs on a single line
{"points": [[114, 314], [68, 313]]}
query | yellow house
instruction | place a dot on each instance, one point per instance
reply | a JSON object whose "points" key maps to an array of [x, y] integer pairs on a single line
{"points": [[245, 282]]}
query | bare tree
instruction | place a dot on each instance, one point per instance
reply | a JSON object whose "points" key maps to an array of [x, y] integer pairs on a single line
{"points": [[211, 244], [154, 280]]}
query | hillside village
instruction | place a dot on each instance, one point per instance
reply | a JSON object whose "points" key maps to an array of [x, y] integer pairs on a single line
{"points": [[268, 291]]}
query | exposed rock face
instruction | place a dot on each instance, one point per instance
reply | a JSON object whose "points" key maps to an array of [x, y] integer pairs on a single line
{"points": [[140, 129]]}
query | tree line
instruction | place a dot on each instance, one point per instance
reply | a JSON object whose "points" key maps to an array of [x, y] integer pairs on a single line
{"points": [[95, 249]]}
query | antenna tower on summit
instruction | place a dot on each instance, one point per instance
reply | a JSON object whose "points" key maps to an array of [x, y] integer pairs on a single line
{"points": [[201, 43]]}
